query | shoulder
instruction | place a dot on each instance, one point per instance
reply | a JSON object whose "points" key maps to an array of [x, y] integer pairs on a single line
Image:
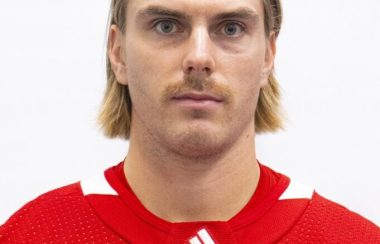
{"points": [[62, 198], [41, 212], [53, 202], [325, 221], [61, 214]]}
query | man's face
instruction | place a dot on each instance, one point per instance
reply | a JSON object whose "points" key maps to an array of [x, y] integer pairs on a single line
{"points": [[194, 70]]}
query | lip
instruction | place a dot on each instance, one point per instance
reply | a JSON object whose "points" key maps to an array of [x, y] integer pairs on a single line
{"points": [[197, 96], [198, 101]]}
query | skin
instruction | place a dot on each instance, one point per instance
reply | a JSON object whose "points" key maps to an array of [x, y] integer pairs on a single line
{"points": [[190, 159]]}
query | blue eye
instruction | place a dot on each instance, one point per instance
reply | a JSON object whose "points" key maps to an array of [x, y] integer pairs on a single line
{"points": [[232, 29], [166, 27]]}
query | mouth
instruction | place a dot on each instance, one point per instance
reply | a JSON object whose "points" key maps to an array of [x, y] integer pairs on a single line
{"points": [[198, 97], [199, 101]]}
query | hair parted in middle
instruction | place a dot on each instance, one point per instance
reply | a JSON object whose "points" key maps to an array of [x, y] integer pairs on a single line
{"points": [[115, 114]]}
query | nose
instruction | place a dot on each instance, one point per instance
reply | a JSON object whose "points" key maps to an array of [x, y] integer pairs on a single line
{"points": [[199, 59]]}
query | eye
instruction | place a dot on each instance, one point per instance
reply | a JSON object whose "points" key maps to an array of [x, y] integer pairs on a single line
{"points": [[166, 26], [232, 29]]}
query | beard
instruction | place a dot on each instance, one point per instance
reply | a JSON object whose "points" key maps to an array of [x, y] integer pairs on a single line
{"points": [[197, 140], [195, 134]]}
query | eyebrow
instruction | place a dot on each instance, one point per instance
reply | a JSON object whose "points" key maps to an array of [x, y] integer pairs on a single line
{"points": [[239, 13], [158, 10]]}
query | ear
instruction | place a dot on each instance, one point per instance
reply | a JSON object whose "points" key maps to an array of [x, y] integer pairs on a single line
{"points": [[116, 54], [270, 54]]}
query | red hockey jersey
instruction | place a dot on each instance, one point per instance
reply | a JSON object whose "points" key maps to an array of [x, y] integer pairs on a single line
{"points": [[105, 210]]}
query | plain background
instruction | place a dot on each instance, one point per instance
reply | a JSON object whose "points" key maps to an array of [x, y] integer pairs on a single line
{"points": [[52, 78]]}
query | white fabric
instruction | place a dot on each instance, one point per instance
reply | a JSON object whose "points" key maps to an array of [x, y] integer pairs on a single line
{"points": [[297, 190], [97, 185]]}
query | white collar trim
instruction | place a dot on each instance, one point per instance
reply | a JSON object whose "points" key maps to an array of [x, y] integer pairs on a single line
{"points": [[97, 185], [297, 190]]}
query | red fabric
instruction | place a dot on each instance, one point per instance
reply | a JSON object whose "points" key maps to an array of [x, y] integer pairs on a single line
{"points": [[65, 215], [327, 222], [60, 216]]}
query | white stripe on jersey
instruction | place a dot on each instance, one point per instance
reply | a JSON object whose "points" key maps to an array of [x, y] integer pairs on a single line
{"points": [[297, 190], [202, 237], [97, 185], [195, 240], [205, 237]]}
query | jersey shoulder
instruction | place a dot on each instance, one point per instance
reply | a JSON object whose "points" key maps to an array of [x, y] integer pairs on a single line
{"points": [[325, 221], [62, 214]]}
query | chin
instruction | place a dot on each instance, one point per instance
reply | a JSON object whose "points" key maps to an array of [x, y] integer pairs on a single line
{"points": [[198, 143]]}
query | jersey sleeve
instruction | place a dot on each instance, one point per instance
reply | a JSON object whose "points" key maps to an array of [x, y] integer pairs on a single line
{"points": [[60, 216], [325, 221]]}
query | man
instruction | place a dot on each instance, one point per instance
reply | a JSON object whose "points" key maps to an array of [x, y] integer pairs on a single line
{"points": [[190, 83]]}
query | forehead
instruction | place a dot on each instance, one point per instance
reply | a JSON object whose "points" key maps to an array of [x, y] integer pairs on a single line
{"points": [[195, 8]]}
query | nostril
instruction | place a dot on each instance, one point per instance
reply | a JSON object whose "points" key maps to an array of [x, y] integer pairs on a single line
{"points": [[190, 69], [206, 69], [196, 63]]}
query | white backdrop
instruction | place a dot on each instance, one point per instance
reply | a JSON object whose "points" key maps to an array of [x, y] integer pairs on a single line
{"points": [[52, 77]]}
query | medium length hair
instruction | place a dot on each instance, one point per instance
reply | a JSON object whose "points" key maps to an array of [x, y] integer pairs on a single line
{"points": [[115, 114]]}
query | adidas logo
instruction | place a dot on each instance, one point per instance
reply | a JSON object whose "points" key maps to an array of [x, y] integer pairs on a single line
{"points": [[202, 237]]}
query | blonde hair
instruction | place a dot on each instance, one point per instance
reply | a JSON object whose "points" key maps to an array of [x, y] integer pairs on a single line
{"points": [[115, 114]]}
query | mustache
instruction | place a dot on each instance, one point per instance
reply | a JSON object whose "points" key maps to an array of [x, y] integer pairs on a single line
{"points": [[200, 84]]}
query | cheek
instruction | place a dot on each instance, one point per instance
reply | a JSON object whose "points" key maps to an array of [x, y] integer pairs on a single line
{"points": [[141, 73], [149, 69], [246, 65], [243, 74], [140, 87]]}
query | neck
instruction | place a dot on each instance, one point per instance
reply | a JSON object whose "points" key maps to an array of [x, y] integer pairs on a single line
{"points": [[180, 189]]}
